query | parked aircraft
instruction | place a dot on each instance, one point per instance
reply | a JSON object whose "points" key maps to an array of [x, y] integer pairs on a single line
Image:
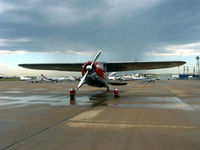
{"points": [[138, 77], [69, 78], [112, 76], [57, 79], [96, 73], [25, 78], [149, 78], [129, 77], [42, 78], [49, 79], [1, 76], [32, 79]]}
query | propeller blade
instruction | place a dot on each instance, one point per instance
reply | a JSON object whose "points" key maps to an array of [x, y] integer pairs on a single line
{"points": [[82, 80], [84, 77], [95, 58]]}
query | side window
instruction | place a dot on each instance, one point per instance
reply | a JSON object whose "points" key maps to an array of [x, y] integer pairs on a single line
{"points": [[100, 66]]}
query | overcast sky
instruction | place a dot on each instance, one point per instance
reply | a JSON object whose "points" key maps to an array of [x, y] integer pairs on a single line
{"points": [[48, 31]]}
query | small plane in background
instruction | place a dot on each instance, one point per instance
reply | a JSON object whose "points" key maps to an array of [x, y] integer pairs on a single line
{"points": [[131, 77], [57, 79], [138, 77], [149, 78], [25, 78], [49, 79], [1, 76], [70, 78], [32, 79], [96, 73], [42, 78], [112, 76]]}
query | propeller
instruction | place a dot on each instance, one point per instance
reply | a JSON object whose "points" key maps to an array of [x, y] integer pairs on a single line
{"points": [[88, 68]]}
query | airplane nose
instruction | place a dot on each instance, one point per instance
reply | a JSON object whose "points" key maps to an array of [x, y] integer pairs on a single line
{"points": [[89, 67]]}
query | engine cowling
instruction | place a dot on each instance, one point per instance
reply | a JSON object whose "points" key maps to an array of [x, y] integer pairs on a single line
{"points": [[84, 67], [97, 67]]}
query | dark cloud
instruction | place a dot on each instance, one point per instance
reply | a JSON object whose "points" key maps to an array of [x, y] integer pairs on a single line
{"points": [[127, 27]]}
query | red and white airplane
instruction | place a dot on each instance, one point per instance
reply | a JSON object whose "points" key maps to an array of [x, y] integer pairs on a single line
{"points": [[96, 73]]}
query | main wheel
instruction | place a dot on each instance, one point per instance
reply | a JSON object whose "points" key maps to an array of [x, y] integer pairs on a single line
{"points": [[116, 93], [72, 93]]}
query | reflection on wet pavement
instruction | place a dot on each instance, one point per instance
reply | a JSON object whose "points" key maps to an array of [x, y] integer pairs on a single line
{"points": [[14, 97], [164, 114], [14, 92], [180, 106], [153, 102]]}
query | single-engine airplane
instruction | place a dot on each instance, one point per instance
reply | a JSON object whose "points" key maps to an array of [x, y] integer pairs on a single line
{"points": [[96, 73]]}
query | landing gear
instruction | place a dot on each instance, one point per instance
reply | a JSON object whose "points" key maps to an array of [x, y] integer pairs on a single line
{"points": [[72, 93], [108, 90], [72, 96], [116, 93]]}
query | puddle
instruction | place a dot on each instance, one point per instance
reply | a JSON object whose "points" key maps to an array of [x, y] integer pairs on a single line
{"points": [[196, 106], [165, 103], [40, 89], [12, 92], [156, 99], [95, 99], [15, 89], [53, 100], [158, 106], [24, 98]]}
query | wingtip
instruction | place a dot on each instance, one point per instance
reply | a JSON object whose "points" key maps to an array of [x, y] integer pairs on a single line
{"points": [[21, 65], [183, 62], [180, 63]]}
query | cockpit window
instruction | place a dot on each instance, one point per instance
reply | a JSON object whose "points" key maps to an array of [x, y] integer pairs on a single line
{"points": [[99, 66]]}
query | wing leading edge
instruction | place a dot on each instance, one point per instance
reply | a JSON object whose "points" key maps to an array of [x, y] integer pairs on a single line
{"points": [[111, 67], [128, 66], [60, 67]]}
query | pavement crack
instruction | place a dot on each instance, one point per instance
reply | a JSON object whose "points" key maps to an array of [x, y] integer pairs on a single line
{"points": [[44, 129]]}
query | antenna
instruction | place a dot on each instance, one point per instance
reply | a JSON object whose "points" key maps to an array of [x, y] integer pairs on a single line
{"points": [[197, 65], [194, 70], [183, 69], [188, 70]]}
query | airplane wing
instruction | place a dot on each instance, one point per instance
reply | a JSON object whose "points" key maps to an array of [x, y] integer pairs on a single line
{"points": [[59, 67], [111, 67], [127, 66]]}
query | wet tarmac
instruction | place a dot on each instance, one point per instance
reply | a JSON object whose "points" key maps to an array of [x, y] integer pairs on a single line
{"points": [[161, 115]]}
